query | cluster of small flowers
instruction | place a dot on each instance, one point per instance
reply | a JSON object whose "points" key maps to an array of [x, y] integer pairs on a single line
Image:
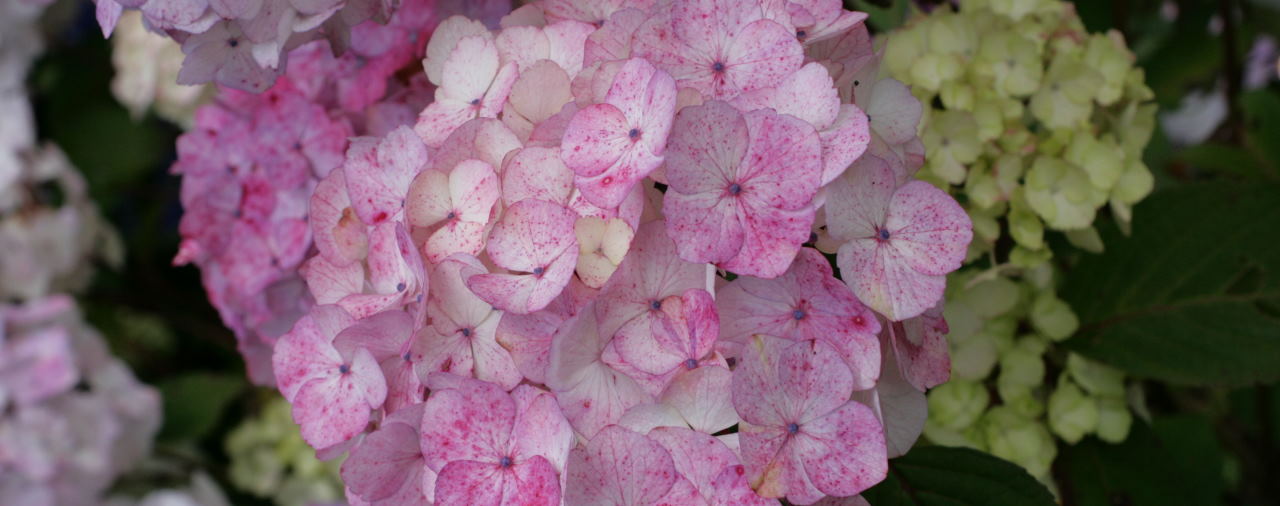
{"points": [[49, 229], [146, 73], [269, 459], [72, 417], [251, 162], [1038, 124], [581, 274], [245, 44]]}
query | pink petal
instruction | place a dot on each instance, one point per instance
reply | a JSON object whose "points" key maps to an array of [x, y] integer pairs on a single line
{"points": [[536, 173], [893, 111], [472, 424], [921, 350], [591, 394], [850, 451], [702, 397], [306, 352], [844, 141], [698, 457], [650, 272], [379, 172], [620, 467], [858, 201], [928, 228], [884, 282], [388, 459], [531, 234], [595, 138]]}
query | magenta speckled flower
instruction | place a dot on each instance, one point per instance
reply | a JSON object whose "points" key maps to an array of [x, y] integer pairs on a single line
{"points": [[741, 187], [534, 239]]}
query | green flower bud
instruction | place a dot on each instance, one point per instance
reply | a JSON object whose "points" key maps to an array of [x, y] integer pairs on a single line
{"points": [[974, 358], [1012, 62], [1107, 54], [969, 437], [1061, 194], [1065, 100], [1102, 160], [992, 297], [1072, 414], [957, 404], [1095, 377], [981, 188], [1053, 317], [1114, 419], [1134, 184], [1020, 440], [1086, 239], [957, 96], [952, 142], [1028, 258], [988, 115], [1024, 226]]}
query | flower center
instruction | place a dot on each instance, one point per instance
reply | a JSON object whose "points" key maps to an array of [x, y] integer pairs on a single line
{"points": [[475, 101], [407, 357], [343, 369], [801, 34], [233, 42], [400, 287], [537, 271], [798, 314], [735, 189], [634, 133], [655, 304], [690, 364], [717, 67], [884, 234], [451, 215], [793, 428], [466, 332], [505, 462]]}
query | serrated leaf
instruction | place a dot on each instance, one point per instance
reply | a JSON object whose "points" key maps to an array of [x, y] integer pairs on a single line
{"points": [[938, 475], [1192, 296], [1177, 460], [194, 402]]}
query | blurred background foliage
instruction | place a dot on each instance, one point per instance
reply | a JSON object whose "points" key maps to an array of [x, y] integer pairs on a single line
{"points": [[1213, 431]]}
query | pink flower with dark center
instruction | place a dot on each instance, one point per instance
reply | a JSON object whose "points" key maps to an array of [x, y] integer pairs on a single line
{"points": [[535, 238], [721, 48], [333, 394], [741, 187], [801, 437], [612, 145], [900, 242]]}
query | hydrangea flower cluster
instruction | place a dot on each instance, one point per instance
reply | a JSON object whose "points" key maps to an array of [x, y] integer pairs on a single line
{"points": [[146, 76], [50, 232], [1038, 124], [245, 44], [72, 417], [251, 163], [584, 272], [270, 460]]}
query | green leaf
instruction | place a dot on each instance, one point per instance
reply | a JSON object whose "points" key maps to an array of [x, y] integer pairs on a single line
{"points": [[938, 475], [1193, 297], [1223, 159], [1176, 460], [1262, 117], [194, 402]]}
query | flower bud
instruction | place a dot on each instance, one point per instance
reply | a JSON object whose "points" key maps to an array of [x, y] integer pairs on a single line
{"points": [[1114, 419], [1019, 439], [1053, 317], [1095, 377], [957, 404], [1072, 414]]}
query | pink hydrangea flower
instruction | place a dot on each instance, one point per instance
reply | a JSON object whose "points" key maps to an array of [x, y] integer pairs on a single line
{"points": [[712, 468], [473, 85], [560, 42], [900, 407], [388, 467], [534, 237], [681, 338], [595, 12], [333, 395], [741, 187], [457, 204], [378, 174], [807, 302], [801, 436], [810, 94], [620, 467], [528, 337], [650, 273], [612, 145], [901, 241], [491, 447], [920, 349], [389, 337], [590, 392], [461, 335], [718, 47], [698, 399]]}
